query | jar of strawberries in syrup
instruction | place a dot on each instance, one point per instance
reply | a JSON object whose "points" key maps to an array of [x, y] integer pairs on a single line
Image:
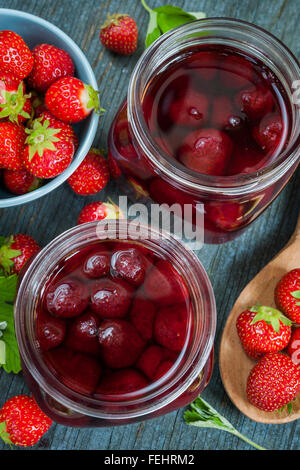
{"points": [[210, 119], [115, 324]]}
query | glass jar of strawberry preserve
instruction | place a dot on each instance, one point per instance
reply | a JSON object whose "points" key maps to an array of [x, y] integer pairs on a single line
{"points": [[115, 324], [210, 119]]}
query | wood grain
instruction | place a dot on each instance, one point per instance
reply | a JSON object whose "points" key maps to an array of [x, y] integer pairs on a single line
{"points": [[230, 267]]}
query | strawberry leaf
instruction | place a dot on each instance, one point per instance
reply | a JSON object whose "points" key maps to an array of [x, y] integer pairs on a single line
{"points": [[4, 435], [203, 415], [165, 18]]}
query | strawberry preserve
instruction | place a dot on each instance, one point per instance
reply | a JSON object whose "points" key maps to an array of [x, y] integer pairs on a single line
{"points": [[209, 119], [114, 330]]}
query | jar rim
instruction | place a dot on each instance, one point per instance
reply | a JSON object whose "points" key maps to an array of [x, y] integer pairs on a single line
{"points": [[25, 304], [237, 184]]}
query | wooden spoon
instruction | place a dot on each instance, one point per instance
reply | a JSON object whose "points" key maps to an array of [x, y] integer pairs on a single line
{"points": [[235, 365]]}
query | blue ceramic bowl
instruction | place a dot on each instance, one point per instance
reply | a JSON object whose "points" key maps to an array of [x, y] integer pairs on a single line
{"points": [[35, 30]]}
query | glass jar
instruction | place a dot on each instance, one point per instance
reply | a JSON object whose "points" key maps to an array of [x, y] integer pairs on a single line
{"points": [[144, 170], [179, 386]]}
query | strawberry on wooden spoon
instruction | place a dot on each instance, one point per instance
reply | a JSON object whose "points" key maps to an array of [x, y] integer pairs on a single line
{"points": [[287, 295], [71, 100]]}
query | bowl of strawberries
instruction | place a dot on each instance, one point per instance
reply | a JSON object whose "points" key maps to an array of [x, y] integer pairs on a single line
{"points": [[49, 107]]}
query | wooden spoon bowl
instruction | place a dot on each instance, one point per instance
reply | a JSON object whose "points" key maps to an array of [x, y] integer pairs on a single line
{"points": [[235, 365]]}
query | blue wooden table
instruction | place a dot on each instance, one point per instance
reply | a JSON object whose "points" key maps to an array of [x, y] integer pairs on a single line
{"points": [[229, 266]]}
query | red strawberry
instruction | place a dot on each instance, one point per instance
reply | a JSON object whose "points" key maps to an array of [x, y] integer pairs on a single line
{"points": [[71, 100], [268, 132], [206, 151], [12, 142], [255, 102], [48, 152], [119, 34], [273, 382], [170, 327], [190, 109], [15, 56], [129, 265], [110, 298], [20, 181], [50, 64], [150, 359], [121, 381], [287, 295], [50, 331], [162, 369], [113, 166], [293, 348], [67, 298], [15, 105], [164, 285], [76, 370], [16, 251], [99, 211], [22, 422], [120, 343], [263, 329], [236, 71], [204, 63], [91, 176], [142, 315], [82, 334], [66, 129], [97, 264]]}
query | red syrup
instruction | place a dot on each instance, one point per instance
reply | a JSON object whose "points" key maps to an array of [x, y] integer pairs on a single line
{"points": [[112, 319], [219, 113]]}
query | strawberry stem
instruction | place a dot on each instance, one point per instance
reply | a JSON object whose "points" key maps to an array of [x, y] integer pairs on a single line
{"points": [[7, 255], [41, 137], [13, 106], [271, 316]]}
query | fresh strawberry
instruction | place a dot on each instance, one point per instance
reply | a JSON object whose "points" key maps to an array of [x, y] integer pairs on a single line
{"points": [[48, 152], [50, 64], [130, 265], [120, 343], [12, 143], [99, 211], [51, 331], [268, 132], [170, 327], [273, 382], [67, 298], [20, 181], [121, 381], [293, 348], [190, 109], [142, 315], [164, 285], [15, 56], [287, 295], [119, 34], [91, 176], [110, 298], [22, 422], [206, 151], [66, 129], [255, 102], [71, 100], [80, 372], [263, 329], [16, 251], [15, 105]]}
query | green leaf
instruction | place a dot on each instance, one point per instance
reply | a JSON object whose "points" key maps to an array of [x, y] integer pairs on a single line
{"points": [[4, 435], [271, 316], [9, 351], [165, 18], [203, 415]]}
